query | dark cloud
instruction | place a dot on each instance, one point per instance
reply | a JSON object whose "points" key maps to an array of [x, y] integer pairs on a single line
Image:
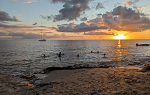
{"points": [[83, 27], [99, 6], [130, 2], [5, 17], [71, 9], [98, 33], [35, 23], [120, 18], [110, 21], [127, 13], [83, 19], [99, 15], [127, 19], [47, 17]]}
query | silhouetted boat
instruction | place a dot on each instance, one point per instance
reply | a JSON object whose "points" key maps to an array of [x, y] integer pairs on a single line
{"points": [[41, 37], [42, 40], [142, 44]]}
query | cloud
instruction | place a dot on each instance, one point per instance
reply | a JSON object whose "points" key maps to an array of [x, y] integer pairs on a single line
{"points": [[144, 7], [83, 27], [30, 1], [83, 19], [14, 0], [99, 6], [98, 33], [5, 17], [129, 2], [25, 35], [15, 26], [47, 17], [43, 30], [126, 19], [99, 15], [35, 23], [13, 11], [20, 14], [63, 35], [20, 34], [71, 9], [4, 26], [120, 18]]}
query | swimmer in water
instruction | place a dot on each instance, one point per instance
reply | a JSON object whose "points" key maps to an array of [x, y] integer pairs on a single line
{"points": [[59, 55], [104, 54]]}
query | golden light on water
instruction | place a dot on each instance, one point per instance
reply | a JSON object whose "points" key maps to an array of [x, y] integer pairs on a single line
{"points": [[120, 36]]}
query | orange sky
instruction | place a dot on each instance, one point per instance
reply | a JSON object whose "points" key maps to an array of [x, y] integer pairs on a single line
{"points": [[86, 20]]}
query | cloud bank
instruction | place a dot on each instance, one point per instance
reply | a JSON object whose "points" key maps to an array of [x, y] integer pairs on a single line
{"points": [[83, 27], [120, 19]]}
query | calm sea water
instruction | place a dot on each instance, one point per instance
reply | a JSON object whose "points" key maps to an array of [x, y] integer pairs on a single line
{"points": [[26, 56]]}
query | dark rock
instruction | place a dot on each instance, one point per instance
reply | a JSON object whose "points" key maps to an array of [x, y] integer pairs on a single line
{"points": [[45, 84], [75, 66], [135, 63], [29, 77], [146, 68], [94, 93]]}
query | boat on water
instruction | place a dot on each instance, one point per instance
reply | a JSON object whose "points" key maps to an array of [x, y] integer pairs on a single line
{"points": [[43, 40], [142, 44], [41, 37]]}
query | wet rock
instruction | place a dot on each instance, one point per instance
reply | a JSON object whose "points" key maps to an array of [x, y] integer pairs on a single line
{"points": [[134, 92], [45, 84], [72, 67], [146, 68], [94, 93], [134, 63], [38, 94], [29, 77], [2, 90]]}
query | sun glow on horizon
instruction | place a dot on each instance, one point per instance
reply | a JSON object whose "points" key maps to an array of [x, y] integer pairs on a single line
{"points": [[120, 36]]}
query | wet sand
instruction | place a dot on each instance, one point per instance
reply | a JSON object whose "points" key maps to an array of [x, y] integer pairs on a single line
{"points": [[93, 81]]}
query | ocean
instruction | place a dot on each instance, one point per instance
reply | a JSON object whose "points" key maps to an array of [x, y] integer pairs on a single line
{"points": [[26, 56]]}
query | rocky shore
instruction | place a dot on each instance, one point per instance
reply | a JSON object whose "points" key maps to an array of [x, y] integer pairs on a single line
{"points": [[79, 79]]}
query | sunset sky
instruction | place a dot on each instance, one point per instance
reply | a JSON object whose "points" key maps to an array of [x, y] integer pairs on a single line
{"points": [[74, 19]]}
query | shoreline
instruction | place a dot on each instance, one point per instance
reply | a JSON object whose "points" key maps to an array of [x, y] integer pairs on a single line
{"points": [[83, 81]]}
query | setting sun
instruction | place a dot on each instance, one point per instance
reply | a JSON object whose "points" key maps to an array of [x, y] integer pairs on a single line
{"points": [[120, 36]]}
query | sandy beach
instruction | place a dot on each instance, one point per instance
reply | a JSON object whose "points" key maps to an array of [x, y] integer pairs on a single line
{"points": [[94, 81]]}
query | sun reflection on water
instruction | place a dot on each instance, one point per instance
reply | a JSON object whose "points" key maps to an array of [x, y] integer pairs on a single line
{"points": [[119, 45]]}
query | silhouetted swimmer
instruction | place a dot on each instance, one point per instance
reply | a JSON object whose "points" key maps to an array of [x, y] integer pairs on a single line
{"points": [[44, 55], [104, 54], [97, 51], [91, 51], [59, 55], [77, 55]]}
